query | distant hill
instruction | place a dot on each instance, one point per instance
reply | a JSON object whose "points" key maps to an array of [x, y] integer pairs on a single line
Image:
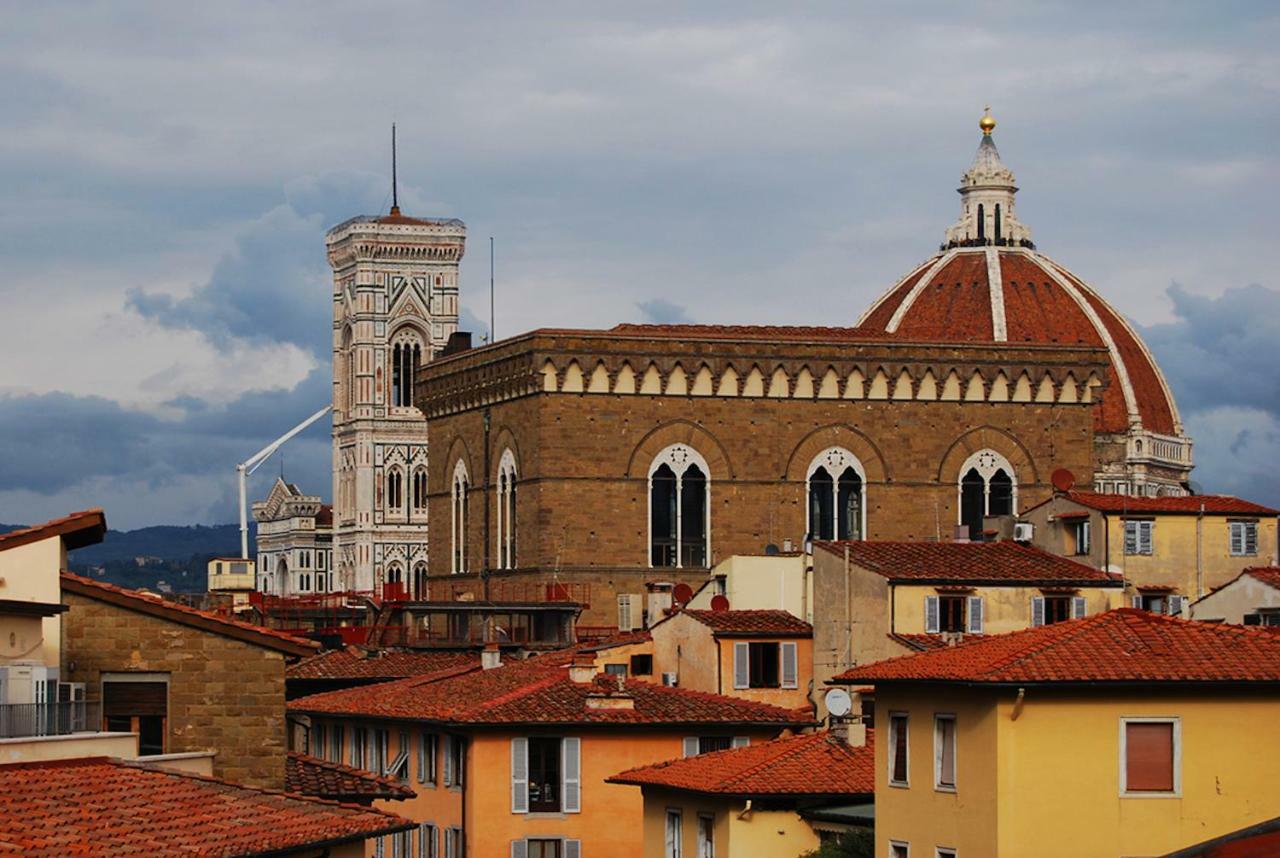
{"points": [[148, 556]]}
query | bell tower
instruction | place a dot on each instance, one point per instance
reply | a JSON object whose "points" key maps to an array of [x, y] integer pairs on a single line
{"points": [[395, 303]]}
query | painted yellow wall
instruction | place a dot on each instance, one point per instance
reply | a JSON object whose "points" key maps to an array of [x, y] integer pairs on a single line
{"points": [[29, 573], [758, 834], [787, 698], [1048, 784], [1005, 609], [622, 653], [1174, 552], [763, 582]]}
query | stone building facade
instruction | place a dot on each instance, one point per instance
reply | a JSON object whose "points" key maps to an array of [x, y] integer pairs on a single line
{"points": [[643, 453], [395, 305], [185, 680], [295, 542]]}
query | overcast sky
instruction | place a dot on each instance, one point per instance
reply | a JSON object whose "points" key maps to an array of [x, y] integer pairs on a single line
{"points": [[170, 169]]}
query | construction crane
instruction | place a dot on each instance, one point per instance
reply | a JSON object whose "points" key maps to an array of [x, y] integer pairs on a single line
{"points": [[251, 464]]}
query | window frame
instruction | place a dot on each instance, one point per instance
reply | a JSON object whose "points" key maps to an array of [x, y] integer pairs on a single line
{"points": [[706, 846], [894, 730], [938, 749], [505, 532], [1141, 547], [1247, 528], [675, 849], [1083, 533], [679, 458], [835, 460], [986, 463], [459, 514], [1176, 722], [895, 845]]}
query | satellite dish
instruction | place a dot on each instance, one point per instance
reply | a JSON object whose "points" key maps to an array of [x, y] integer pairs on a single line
{"points": [[1063, 480], [682, 593], [719, 603], [838, 702]]}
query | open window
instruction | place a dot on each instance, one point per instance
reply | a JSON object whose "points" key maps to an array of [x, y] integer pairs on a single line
{"points": [[546, 774]]}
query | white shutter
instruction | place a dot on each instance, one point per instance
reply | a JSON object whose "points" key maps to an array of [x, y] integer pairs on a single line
{"points": [[448, 767], [520, 775], [448, 843], [624, 612], [691, 746], [1078, 607], [1144, 536], [741, 665], [573, 849], [1251, 537], [790, 669], [1175, 606], [931, 614], [1037, 610], [1131, 537], [1237, 537], [741, 741], [571, 748], [1137, 601], [519, 849], [975, 615]]}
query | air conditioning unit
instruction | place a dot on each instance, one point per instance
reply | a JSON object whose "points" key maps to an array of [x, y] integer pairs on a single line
{"points": [[1023, 531], [669, 679]]}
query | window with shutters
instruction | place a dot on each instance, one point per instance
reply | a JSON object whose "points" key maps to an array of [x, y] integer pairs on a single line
{"points": [[1150, 755], [137, 703], [359, 743], [544, 775], [951, 613], [944, 752], [455, 760], [427, 758], [673, 845], [543, 848], [624, 612], [398, 768], [453, 843], [1051, 609], [764, 664], [428, 843], [706, 836], [1159, 602], [1137, 536], [898, 749], [1244, 538], [1082, 532]]}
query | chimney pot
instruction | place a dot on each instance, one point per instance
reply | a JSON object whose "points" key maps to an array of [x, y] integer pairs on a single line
{"points": [[491, 656]]}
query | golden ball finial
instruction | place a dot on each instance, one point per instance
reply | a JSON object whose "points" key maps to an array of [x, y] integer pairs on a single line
{"points": [[988, 122]]}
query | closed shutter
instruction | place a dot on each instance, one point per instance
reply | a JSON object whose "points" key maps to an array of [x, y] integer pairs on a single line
{"points": [[741, 665], [1175, 606], [790, 669], [1131, 537], [448, 767], [519, 849], [520, 775], [571, 747], [975, 615], [573, 849], [1145, 529], [1078, 607], [1037, 610], [1149, 757], [449, 850], [128, 699], [1137, 601], [741, 741], [1251, 537], [931, 614], [624, 612], [691, 746], [1237, 537]]}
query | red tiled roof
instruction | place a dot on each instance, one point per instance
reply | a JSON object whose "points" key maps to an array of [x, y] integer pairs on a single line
{"points": [[748, 332], [324, 516], [754, 622], [77, 530], [1184, 504], [1260, 840], [813, 764], [183, 615], [351, 663], [1269, 575], [1126, 645], [100, 806], [538, 691], [968, 562], [306, 775], [616, 640]]}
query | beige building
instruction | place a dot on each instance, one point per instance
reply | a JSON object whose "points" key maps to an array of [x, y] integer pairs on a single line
{"points": [[1252, 598], [1170, 550], [233, 577], [294, 542], [761, 582]]}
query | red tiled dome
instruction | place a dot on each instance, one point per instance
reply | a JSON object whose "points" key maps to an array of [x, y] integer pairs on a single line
{"points": [[1018, 295]]}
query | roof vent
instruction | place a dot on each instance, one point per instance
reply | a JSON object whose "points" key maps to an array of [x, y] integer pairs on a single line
{"points": [[491, 656], [583, 667]]}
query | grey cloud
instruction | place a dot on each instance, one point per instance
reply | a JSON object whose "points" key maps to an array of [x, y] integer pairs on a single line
{"points": [[658, 311]]}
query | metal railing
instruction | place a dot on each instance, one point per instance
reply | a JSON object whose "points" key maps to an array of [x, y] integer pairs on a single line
{"points": [[20, 720]]}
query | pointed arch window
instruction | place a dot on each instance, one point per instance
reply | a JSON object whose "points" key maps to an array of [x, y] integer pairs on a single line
{"points": [[420, 491], [458, 494], [349, 359], [394, 491], [406, 358], [982, 222], [679, 508], [836, 487], [506, 517], [420, 588], [988, 486]]}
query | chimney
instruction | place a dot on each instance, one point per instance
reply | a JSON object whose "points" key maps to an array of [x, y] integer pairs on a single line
{"points": [[583, 667], [490, 656], [617, 699], [853, 734]]}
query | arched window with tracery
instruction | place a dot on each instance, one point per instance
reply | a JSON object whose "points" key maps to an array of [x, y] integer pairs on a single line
{"points": [[836, 486], [679, 508], [506, 509], [420, 491], [420, 588], [406, 357], [458, 494], [394, 494], [349, 359], [988, 486]]}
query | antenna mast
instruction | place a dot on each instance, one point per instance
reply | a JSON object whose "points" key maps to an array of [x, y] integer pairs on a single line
{"points": [[492, 336], [395, 201]]}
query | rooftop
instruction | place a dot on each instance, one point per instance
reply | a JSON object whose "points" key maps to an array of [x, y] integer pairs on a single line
{"points": [[183, 615], [813, 764], [1000, 562], [773, 623], [306, 775], [352, 663], [101, 806], [1123, 646], [1184, 504], [87, 527], [540, 691]]}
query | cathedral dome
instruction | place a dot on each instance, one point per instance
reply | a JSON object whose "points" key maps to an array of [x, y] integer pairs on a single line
{"points": [[988, 283]]}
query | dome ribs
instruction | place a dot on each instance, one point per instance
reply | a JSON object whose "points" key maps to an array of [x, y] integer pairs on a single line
{"points": [[955, 306], [877, 318]]}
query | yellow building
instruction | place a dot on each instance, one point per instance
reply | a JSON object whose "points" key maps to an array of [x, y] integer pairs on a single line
{"points": [[233, 576], [1170, 550], [759, 582], [754, 802], [1122, 734]]}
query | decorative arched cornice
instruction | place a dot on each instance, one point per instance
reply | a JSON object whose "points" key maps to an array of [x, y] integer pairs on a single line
{"points": [[680, 432], [993, 438], [837, 435]]}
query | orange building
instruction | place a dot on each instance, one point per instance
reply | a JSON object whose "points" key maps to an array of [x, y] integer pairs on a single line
{"points": [[513, 759]]}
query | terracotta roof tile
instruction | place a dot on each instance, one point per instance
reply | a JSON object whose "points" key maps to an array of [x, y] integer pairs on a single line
{"points": [[749, 332], [184, 615], [78, 529], [1214, 504], [99, 806], [968, 562], [814, 764], [538, 691], [306, 775], [1269, 575], [1126, 645], [351, 663], [752, 622]]}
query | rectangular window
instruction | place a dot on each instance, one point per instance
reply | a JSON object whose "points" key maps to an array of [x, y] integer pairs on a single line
{"points": [[1083, 536], [378, 757], [399, 766], [642, 665], [455, 750], [316, 745], [142, 699], [706, 836], [616, 670], [335, 743], [1244, 538], [427, 758], [624, 612], [543, 848], [944, 752], [1149, 755], [1137, 536], [359, 742], [945, 852], [763, 665], [427, 843], [453, 843], [898, 755], [951, 613], [544, 775], [674, 836], [898, 849]]}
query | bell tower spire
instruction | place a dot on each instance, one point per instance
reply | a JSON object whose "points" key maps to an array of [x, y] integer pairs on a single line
{"points": [[986, 195]]}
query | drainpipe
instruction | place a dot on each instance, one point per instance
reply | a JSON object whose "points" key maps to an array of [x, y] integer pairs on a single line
{"points": [[1200, 552], [1017, 704]]}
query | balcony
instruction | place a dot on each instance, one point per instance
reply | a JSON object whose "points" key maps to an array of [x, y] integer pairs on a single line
{"points": [[25, 720]]}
